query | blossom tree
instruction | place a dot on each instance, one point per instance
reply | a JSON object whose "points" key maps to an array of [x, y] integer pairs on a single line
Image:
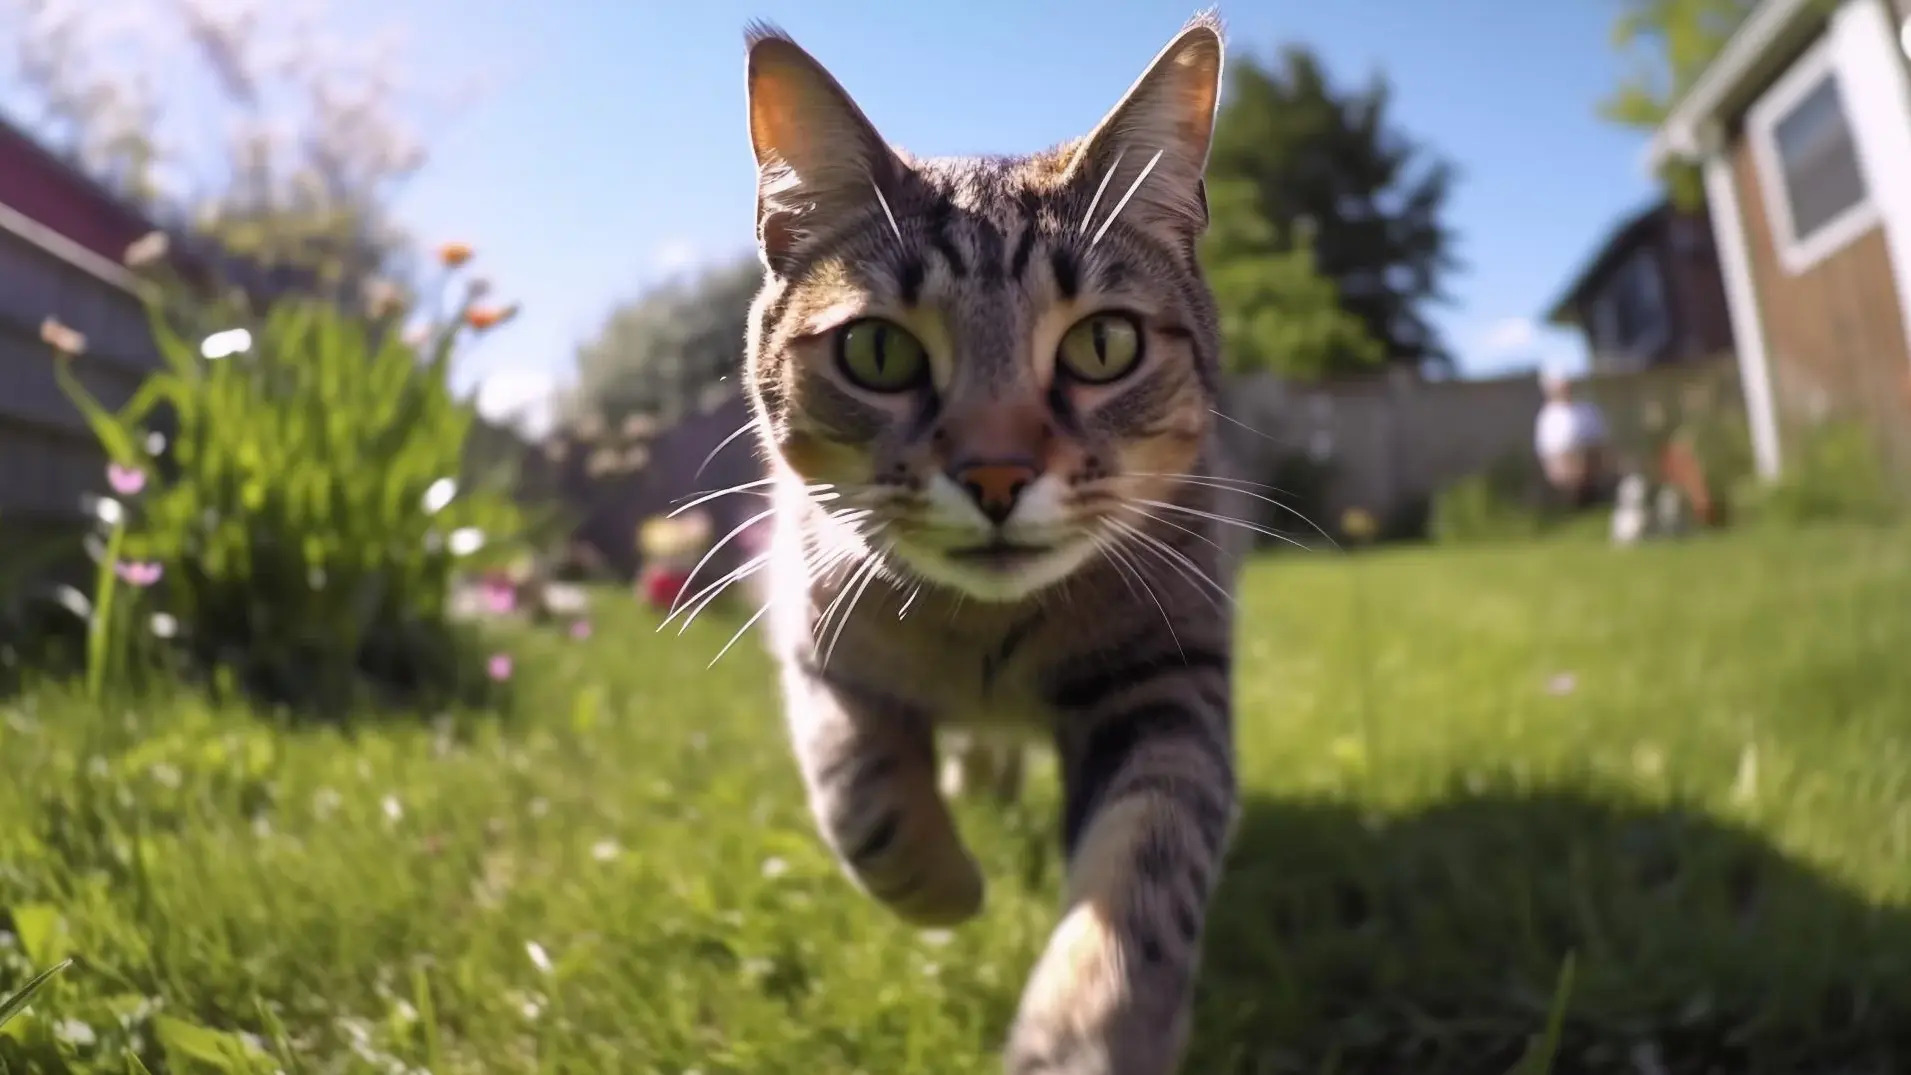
{"points": [[245, 120]]}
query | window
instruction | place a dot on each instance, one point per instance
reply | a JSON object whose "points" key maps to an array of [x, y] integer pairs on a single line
{"points": [[1814, 185], [1630, 319], [1819, 160]]}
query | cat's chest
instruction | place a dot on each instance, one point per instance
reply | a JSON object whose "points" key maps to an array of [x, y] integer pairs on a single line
{"points": [[964, 673]]}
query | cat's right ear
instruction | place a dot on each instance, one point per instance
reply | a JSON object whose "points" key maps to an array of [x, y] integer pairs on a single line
{"points": [[818, 158]]}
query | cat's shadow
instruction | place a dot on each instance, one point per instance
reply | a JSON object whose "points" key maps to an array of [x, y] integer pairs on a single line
{"points": [[1433, 942]]}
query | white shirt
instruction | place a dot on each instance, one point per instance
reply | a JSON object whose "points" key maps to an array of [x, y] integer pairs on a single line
{"points": [[1567, 426]]}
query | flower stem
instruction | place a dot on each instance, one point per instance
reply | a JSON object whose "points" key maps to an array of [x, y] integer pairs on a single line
{"points": [[96, 631]]}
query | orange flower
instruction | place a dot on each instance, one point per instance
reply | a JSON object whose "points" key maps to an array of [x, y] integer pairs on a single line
{"points": [[487, 317], [454, 254], [65, 341]]}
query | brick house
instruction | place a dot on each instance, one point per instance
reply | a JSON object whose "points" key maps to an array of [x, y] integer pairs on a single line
{"points": [[1802, 129], [1651, 295], [61, 240]]}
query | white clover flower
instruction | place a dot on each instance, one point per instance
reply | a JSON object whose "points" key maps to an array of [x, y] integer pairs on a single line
{"points": [[439, 494]]}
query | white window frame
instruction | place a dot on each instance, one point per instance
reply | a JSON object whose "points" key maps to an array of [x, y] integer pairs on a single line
{"points": [[1812, 68]]}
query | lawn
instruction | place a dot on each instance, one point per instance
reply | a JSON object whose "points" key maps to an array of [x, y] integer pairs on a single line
{"points": [[1685, 771]]}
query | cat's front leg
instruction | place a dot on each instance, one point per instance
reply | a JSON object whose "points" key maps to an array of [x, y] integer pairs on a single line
{"points": [[868, 760], [1149, 806]]}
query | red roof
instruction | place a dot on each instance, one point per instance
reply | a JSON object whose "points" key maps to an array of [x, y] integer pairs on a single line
{"points": [[59, 196]]}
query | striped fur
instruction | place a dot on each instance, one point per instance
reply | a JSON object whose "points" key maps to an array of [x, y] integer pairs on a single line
{"points": [[1112, 642]]}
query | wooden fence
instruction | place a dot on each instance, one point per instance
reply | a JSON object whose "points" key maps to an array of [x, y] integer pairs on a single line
{"points": [[48, 457], [1388, 446]]}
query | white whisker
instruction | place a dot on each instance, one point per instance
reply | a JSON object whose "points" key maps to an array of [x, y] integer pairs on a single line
{"points": [[721, 445], [1089, 217], [707, 497], [1226, 520], [884, 202], [1177, 560], [708, 595], [862, 571], [1243, 425], [1123, 203], [849, 610], [747, 624], [1189, 530], [712, 551], [1115, 556], [1220, 484]]}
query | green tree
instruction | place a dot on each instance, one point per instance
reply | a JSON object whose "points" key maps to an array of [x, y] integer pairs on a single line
{"points": [[658, 355], [1278, 313], [1668, 44], [1322, 208]]}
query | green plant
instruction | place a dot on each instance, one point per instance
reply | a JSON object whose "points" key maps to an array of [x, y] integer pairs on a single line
{"points": [[1834, 474], [1498, 503], [14, 1004], [302, 522]]}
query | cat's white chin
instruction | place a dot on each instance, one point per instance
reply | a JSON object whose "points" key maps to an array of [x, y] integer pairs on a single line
{"points": [[998, 576]]}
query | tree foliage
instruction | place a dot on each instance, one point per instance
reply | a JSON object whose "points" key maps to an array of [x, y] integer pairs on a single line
{"points": [[658, 355], [1327, 239], [1278, 313], [241, 120], [1668, 44]]}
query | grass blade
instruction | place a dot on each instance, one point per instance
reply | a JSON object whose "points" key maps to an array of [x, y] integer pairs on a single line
{"points": [[427, 1019], [12, 1005], [1539, 1058]]}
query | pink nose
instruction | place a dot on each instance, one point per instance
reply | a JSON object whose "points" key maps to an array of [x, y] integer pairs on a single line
{"points": [[994, 486]]}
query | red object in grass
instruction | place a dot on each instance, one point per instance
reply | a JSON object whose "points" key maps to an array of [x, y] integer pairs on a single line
{"points": [[663, 585]]}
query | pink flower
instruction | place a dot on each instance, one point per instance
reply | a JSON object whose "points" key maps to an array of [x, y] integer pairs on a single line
{"points": [[126, 481], [138, 573], [499, 667], [500, 596], [581, 630]]}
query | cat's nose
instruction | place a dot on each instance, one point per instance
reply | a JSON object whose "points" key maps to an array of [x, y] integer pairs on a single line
{"points": [[995, 485]]}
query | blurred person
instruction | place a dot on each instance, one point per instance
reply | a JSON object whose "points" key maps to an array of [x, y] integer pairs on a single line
{"points": [[1570, 438]]}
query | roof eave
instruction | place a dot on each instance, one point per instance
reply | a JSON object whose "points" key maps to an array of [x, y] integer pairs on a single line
{"points": [[1687, 131]]}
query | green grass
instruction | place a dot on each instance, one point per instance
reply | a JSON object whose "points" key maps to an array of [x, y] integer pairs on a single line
{"points": [[1686, 770]]}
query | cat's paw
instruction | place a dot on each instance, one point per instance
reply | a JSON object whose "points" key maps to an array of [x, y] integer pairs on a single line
{"points": [[929, 895], [1090, 1009]]}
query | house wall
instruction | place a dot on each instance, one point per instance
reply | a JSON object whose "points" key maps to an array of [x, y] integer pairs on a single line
{"points": [[1703, 323], [50, 456], [1835, 332], [1699, 320]]}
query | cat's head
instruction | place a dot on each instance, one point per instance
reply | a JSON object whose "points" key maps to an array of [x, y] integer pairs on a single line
{"points": [[993, 364]]}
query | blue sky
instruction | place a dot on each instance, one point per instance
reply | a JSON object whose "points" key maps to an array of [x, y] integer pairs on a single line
{"points": [[607, 149]]}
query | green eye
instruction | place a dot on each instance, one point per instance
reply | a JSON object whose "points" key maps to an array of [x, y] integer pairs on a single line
{"points": [[1101, 348], [881, 356]]}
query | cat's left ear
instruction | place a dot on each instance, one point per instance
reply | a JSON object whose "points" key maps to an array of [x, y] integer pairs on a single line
{"points": [[1163, 127], [819, 162]]}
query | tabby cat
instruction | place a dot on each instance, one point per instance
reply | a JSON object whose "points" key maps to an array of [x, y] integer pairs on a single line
{"points": [[985, 388]]}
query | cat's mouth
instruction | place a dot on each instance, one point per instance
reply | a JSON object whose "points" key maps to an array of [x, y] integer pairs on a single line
{"points": [[999, 555]]}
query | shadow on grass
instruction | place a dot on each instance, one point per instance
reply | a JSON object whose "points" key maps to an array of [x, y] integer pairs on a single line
{"points": [[1431, 943]]}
